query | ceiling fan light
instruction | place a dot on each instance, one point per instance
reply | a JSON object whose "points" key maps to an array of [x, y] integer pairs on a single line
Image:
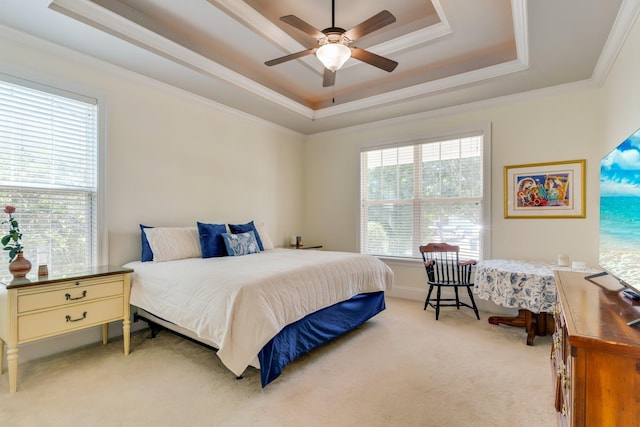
{"points": [[333, 55]]}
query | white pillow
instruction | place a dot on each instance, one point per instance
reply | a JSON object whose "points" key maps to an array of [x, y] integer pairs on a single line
{"points": [[171, 243], [264, 237]]}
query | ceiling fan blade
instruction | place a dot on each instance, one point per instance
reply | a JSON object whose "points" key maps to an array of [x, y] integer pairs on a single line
{"points": [[329, 78], [289, 57], [373, 59], [298, 23], [372, 24]]}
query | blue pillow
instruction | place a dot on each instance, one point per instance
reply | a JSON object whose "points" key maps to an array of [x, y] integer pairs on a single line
{"points": [[243, 228], [147, 253], [241, 244], [211, 242]]}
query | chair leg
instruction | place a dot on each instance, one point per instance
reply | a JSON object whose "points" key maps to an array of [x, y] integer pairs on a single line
{"points": [[426, 302], [457, 298], [438, 303], [473, 302]]}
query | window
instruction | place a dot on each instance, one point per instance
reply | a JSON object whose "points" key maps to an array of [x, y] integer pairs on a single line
{"points": [[49, 172], [418, 192]]}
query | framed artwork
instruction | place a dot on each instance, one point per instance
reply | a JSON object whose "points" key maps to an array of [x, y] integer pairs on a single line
{"points": [[545, 190]]}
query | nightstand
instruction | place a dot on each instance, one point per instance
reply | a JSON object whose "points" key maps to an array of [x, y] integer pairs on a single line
{"points": [[40, 307], [307, 247]]}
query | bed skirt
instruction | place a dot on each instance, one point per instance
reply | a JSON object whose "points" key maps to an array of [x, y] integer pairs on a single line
{"points": [[314, 330], [299, 337]]}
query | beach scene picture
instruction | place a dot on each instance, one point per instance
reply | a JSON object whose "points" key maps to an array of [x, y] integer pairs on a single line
{"points": [[620, 211]]}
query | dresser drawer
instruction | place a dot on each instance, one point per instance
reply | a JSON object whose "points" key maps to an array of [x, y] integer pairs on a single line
{"points": [[63, 319], [67, 294]]}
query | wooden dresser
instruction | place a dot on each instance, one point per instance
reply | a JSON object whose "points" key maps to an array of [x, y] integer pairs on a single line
{"points": [[40, 307], [595, 356]]}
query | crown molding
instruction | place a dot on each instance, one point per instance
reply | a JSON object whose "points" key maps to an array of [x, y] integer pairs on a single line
{"points": [[102, 18], [423, 89], [261, 25], [521, 29], [519, 13], [112, 23], [38, 44], [627, 15], [463, 108]]}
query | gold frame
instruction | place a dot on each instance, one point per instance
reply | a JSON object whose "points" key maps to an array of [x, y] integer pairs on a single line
{"points": [[561, 195]]}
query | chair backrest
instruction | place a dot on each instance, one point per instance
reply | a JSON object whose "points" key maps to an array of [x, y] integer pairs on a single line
{"points": [[443, 266]]}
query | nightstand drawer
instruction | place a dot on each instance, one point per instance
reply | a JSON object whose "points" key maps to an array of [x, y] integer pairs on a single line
{"points": [[52, 322], [66, 295]]}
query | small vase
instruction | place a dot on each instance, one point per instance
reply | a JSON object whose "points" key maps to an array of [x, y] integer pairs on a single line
{"points": [[20, 266]]}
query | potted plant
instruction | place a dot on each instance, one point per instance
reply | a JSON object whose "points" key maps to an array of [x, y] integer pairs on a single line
{"points": [[19, 266]]}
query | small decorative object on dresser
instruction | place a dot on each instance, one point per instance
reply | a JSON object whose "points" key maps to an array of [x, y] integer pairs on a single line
{"points": [[19, 266]]}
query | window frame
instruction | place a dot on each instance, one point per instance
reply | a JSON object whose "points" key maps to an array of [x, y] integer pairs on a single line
{"points": [[435, 136], [60, 87]]}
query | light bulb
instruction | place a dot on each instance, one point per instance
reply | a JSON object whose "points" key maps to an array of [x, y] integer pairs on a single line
{"points": [[333, 55]]}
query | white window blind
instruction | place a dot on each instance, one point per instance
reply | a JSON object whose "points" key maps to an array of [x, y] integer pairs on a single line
{"points": [[415, 194], [49, 172]]}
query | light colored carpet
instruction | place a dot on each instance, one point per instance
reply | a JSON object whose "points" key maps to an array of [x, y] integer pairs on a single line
{"points": [[402, 368]]}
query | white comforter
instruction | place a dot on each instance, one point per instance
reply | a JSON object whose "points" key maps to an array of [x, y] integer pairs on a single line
{"points": [[240, 303]]}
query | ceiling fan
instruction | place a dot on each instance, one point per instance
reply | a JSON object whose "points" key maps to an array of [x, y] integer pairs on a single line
{"points": [[333, 44]]}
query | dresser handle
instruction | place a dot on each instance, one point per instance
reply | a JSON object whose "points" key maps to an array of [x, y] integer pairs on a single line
{"points": [[68, 296], [69, 319]]}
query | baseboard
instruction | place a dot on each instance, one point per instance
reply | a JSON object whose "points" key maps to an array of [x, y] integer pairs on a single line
{"points": [[416, 294], [72, 340], [407, 293]]}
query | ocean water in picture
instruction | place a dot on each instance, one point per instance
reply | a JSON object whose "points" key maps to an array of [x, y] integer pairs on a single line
{"points": [[620, 211]]}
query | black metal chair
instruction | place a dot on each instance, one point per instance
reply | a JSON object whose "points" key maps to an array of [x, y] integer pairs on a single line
{"points": [[444, 269]]}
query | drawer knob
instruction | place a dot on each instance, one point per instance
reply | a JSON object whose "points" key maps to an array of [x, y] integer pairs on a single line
{"points": [[69, 319], [69, 298]]}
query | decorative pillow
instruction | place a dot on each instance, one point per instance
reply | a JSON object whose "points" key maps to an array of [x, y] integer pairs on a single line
{"points": [[147, 253], [241, 244], [243, 228], [264, 237], [171, 243], [211, 241]]}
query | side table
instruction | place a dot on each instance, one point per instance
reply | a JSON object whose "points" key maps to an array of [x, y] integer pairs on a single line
{"points": [[38, 307], [526, 285]]}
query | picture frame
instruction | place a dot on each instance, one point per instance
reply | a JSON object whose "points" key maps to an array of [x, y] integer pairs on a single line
{"points": [[545, 190]]}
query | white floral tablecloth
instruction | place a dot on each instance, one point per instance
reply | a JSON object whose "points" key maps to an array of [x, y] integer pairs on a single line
{"points": [[518, 284]]}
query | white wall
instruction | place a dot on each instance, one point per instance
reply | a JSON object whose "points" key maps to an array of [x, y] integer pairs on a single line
{"points": [[544, 127], [179, 162], [621, 93], [172, 158]]}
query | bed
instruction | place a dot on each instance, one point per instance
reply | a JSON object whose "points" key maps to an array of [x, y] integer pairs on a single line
{"points": [[263, 309]]}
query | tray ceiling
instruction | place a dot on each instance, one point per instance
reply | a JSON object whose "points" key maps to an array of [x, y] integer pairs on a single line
{"points": [[450, 52]]}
